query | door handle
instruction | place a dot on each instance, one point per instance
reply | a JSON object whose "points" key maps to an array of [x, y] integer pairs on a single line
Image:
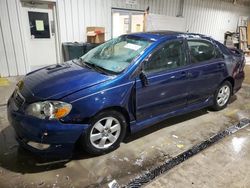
{"points": [[221, 65], [183, 74], [186, 74], [189, 75]]}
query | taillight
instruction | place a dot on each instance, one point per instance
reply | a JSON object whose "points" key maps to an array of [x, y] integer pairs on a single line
{"points": [[242, 65]]}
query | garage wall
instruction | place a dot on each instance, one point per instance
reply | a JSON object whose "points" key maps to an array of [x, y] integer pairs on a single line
{"points": [[165, 7], [210, 17], [12, 53], [76, 15], [213, 17]]}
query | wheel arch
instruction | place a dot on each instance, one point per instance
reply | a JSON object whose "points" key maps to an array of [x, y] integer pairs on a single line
{"points": [[231, 80]]}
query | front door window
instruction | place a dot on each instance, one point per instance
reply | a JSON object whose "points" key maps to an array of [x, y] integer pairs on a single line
{"points": [[169, 56]]}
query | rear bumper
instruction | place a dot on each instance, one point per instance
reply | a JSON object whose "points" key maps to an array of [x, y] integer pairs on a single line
{"points": [[59, 138], [238, 80]]}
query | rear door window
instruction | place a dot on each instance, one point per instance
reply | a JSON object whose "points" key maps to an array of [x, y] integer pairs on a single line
{"points": [[202, 51]]}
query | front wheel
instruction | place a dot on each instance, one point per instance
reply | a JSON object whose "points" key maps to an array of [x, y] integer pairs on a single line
{"points": [[222, 96], [107, 130]]}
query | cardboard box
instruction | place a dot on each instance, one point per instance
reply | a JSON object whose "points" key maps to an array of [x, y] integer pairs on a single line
{"points": [[95, 35]]}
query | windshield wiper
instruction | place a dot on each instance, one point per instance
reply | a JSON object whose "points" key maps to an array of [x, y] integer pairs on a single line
{"points": [[79, 61], [87, 64], [84, 63], [96, 67]]}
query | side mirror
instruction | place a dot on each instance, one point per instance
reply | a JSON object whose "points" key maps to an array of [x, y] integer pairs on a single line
{"points": [[143, 79]]}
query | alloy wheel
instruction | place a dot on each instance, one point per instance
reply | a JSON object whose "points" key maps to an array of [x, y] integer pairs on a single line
{"points": [[105, 132], [223, 95]]}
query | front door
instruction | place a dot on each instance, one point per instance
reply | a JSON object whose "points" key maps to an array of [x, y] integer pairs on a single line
{"points": [[166, 90], [39, 29]]}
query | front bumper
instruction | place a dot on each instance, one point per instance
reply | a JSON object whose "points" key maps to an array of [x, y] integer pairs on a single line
{"points": [[60, 137]]}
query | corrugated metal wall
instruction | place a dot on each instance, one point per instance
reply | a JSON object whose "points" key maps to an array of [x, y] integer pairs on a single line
{"points": [[12, 53], [76, 15], [211, 17], [166, 7]]}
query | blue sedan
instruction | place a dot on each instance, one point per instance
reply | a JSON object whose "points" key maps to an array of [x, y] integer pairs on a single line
{"points": [[122, 86]]}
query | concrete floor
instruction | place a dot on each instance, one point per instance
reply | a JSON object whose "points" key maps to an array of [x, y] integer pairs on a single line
{"points": [[225, 164], [137, 154]]}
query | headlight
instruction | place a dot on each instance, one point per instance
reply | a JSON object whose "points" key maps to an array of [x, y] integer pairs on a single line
{"points": [[49, 109]]}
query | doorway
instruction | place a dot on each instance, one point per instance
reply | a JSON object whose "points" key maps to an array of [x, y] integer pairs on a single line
{"points": [[126, 21], [40, 33]]}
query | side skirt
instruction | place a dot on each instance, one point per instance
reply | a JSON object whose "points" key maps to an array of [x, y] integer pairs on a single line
{"points": [[137, 126]]}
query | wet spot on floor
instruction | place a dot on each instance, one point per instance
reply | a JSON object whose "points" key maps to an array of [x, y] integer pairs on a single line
{"points": [[180, 146]]}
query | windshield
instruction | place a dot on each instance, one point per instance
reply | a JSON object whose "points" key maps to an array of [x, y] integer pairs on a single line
{"points": [[115, 55]]}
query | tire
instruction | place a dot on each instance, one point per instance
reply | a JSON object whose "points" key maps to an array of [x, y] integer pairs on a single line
{"points": [[222, 96], [105, 134]]}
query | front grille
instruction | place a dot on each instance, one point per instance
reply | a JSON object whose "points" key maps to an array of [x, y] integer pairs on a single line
{"points": [[18, 99]]}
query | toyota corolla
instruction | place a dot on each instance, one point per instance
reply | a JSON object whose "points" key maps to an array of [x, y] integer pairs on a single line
{"points": [[122, 86]]}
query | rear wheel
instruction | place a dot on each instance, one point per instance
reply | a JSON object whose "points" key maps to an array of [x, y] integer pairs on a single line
{"points": [[106, 132], [222, 96]]}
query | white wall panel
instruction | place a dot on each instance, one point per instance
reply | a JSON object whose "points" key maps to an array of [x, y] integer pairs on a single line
{"points": [[69, 19], [62, 20], [75, 22], [76, 15], [12, 53], [163, 22], [213, 17], [165, 7], [81, 21], [7, 38], [16, 37], [4, 69], [210, 17], [22, 48]]}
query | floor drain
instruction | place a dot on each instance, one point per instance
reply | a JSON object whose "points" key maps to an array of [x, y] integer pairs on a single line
{"points": [[153, 173]]}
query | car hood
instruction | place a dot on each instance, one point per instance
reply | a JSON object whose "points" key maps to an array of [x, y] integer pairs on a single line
{"points": [[57, 81]]}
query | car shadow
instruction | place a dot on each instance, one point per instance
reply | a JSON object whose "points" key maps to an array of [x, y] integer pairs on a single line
{"points": [[166, 123], [171, 121], [232, 99], [16, 159]]}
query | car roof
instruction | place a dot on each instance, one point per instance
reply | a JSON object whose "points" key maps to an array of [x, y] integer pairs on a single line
{"points": [[156, 35]]}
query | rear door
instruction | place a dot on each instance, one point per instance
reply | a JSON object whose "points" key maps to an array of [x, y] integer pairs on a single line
{"points": [[206, 72], [166, 89]]}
